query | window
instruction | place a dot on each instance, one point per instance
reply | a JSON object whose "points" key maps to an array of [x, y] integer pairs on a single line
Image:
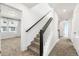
{"points": [[12, 22], [12, 28], [4, 28], [8, 25], [4, 22]]}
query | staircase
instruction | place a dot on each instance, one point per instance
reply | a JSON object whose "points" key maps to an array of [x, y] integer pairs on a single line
{"points": [[34, 48], [0, 53]]}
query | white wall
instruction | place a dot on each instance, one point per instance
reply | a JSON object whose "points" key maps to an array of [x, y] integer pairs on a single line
{"points": [[61, 27], [27, 37], [10, 12], [53, 36], [75, 29]]}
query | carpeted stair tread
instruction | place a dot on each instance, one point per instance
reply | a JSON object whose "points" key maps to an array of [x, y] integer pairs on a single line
{"points": [[38, 35], [37, 39], [34, 49], [0, 51], [36, 44], [28, 53]]}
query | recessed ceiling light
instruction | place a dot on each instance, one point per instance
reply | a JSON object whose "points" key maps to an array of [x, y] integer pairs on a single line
{"points": [[64, 10]]}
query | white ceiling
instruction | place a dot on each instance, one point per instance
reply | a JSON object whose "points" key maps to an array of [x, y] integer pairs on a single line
{"points": [[64, 10], [30, 5]]}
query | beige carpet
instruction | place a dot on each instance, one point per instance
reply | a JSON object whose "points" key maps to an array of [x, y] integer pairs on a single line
{"points": [[63, 48], [11, 47]]}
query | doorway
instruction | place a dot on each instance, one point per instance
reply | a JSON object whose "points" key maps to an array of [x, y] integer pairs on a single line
{"points": [[66, 27]]}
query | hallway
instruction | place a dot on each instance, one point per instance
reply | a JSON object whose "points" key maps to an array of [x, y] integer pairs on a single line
{"points": [[63, 48]]}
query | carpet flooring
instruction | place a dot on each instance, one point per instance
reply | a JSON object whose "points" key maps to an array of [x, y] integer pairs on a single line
{"points": [[11, 47], [63, 48]]}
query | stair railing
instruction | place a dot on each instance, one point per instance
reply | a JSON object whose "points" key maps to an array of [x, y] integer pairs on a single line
{"points": [[42, 31], [37, 22]]}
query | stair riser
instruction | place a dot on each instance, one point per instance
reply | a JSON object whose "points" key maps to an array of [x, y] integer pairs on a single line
{"points": [[35, 45], [38, 35], [37, 40], [37, 53], [31, 53]]}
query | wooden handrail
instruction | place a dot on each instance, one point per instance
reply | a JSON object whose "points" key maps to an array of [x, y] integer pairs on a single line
{"points": [[41, 35], [37, 22], [47, 24]]}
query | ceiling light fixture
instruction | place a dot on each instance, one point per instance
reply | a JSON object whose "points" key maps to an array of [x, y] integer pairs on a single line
{"points": [[64, 10]]}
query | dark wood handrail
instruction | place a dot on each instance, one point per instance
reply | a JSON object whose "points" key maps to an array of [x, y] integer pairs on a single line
{"points": [[47, 24], [37, 22], [41, 35]]}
